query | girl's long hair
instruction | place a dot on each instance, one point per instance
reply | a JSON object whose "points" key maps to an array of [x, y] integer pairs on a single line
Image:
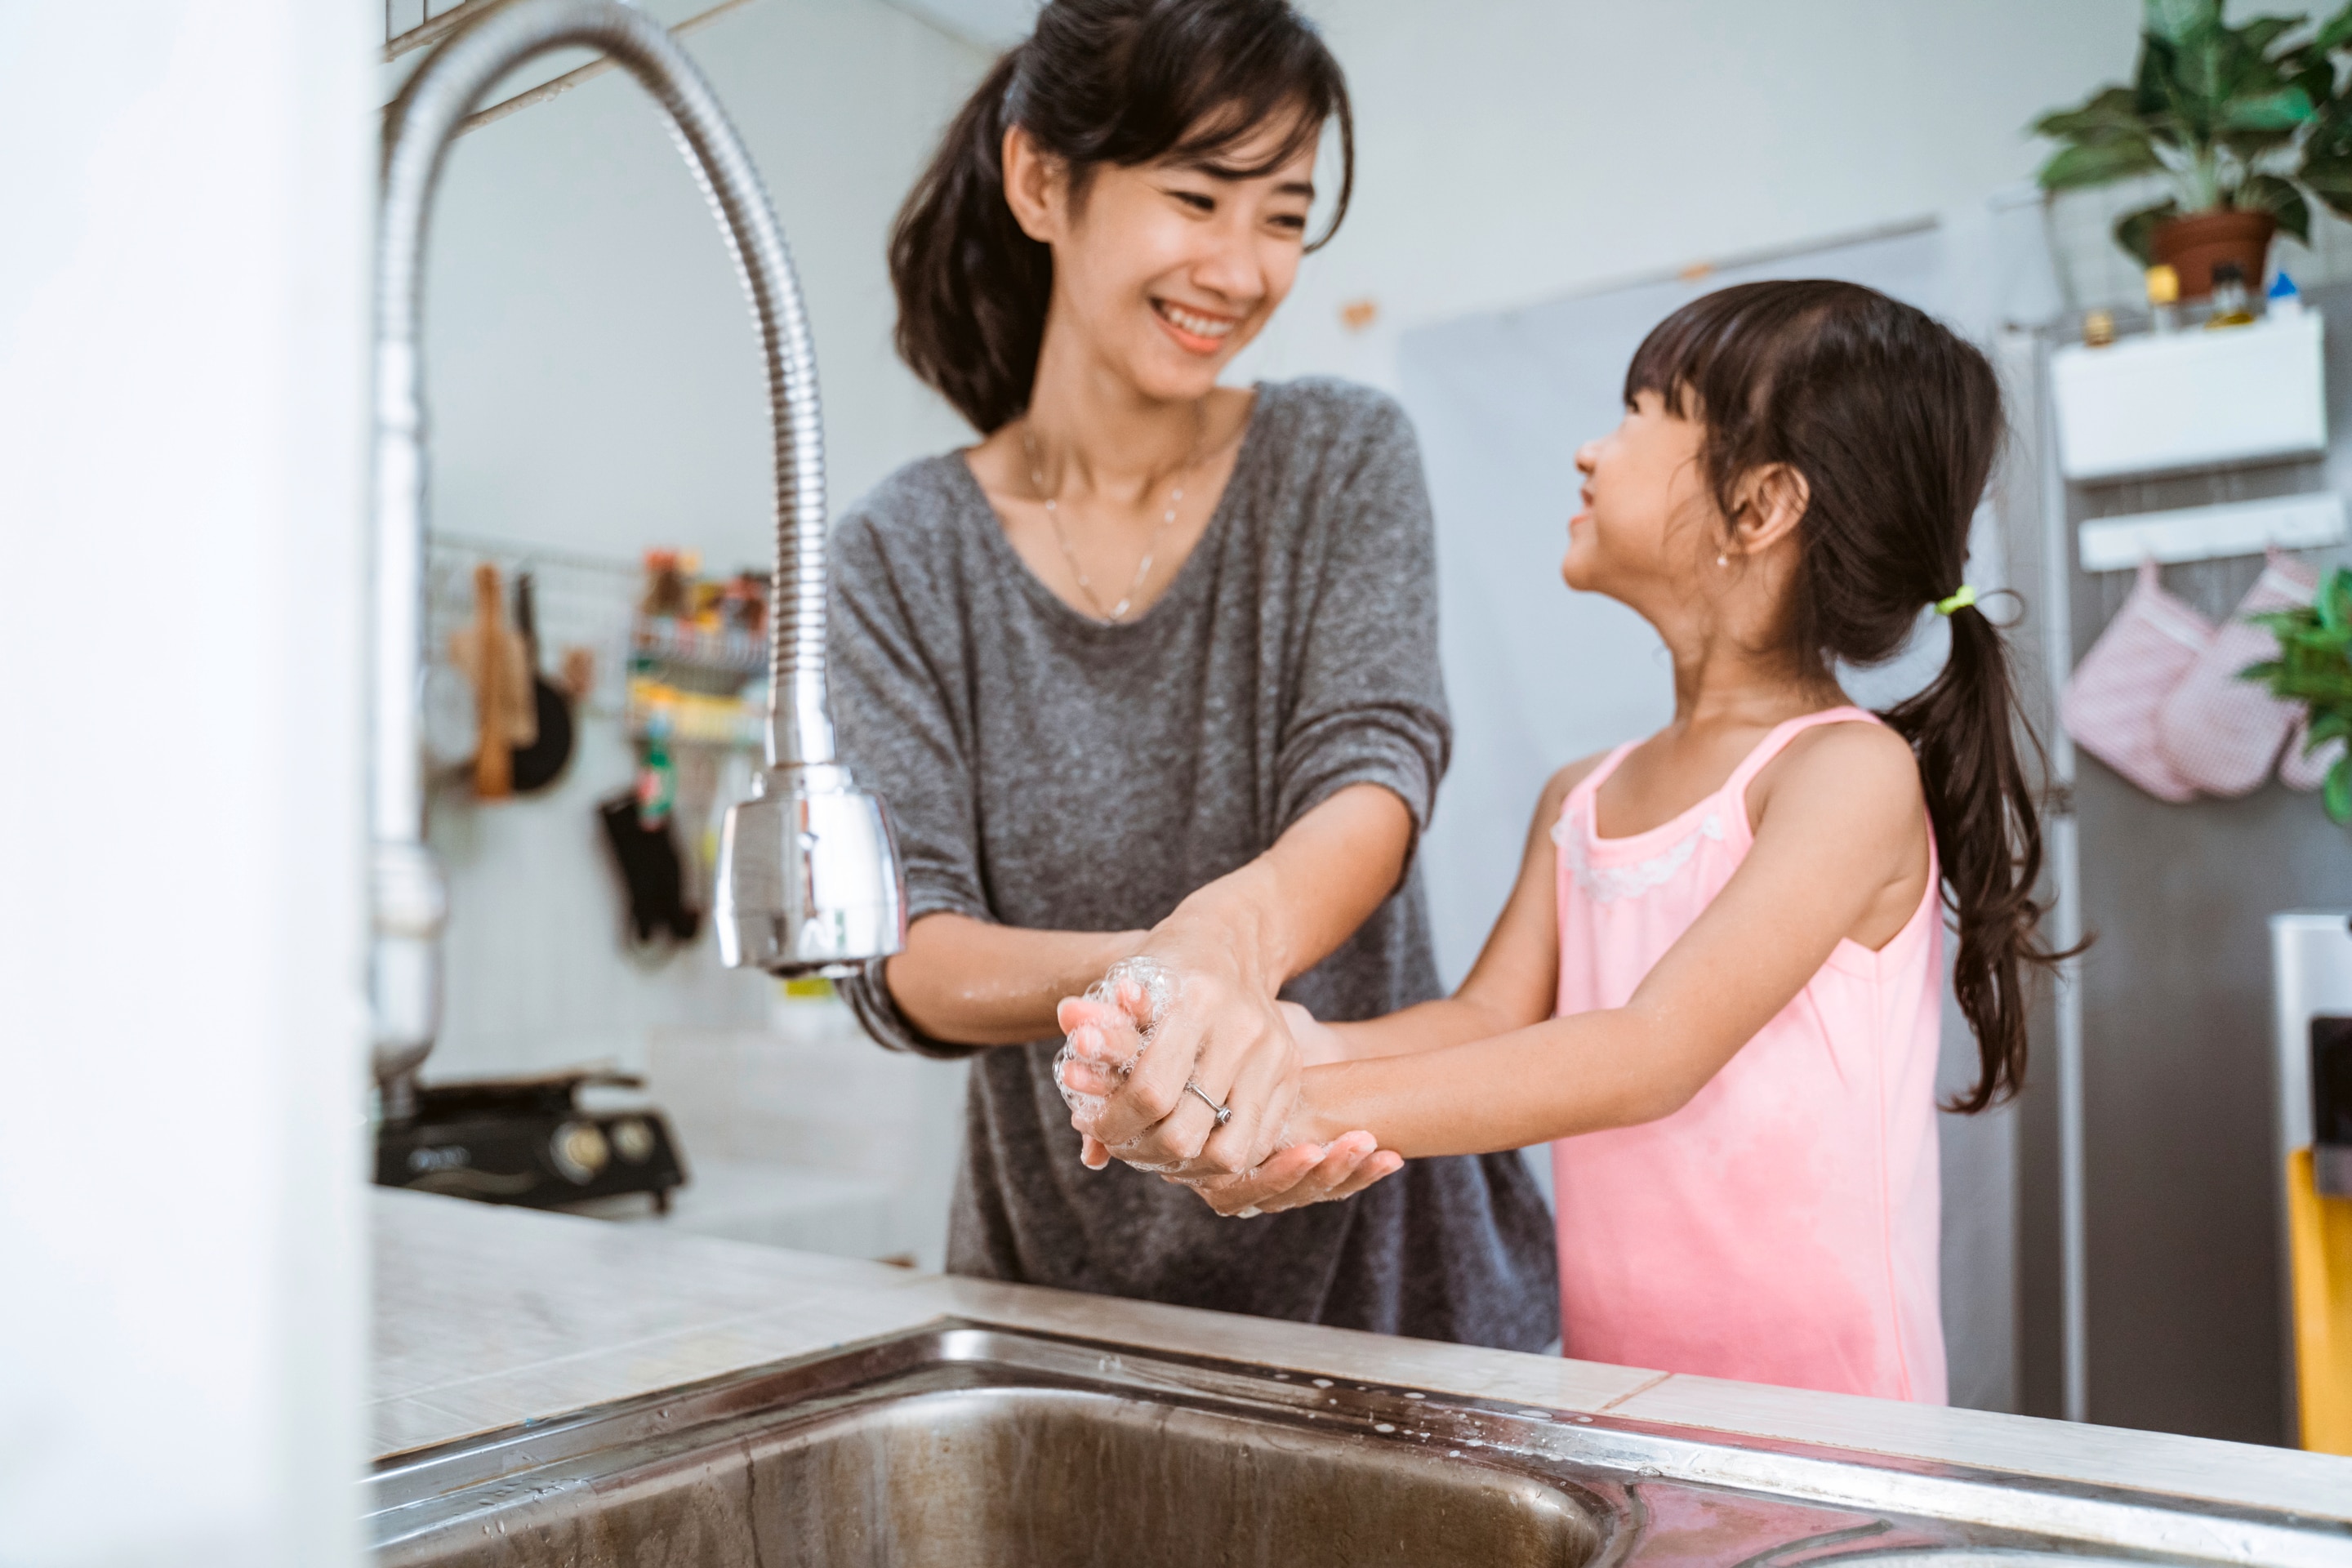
{"points": [[1124, 82], [1894, 423]]}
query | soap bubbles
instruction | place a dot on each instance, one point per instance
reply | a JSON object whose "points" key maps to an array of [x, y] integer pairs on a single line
{"points": [[1127, 982]]}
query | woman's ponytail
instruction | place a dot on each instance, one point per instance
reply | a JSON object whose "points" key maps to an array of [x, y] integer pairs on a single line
{"points": [[973, 287], [1967, 733], [1894, 422], [1099, 81]]}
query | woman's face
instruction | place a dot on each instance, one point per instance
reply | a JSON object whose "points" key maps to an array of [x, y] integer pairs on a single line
{"points": [[1647, 505], [1165, 272]]}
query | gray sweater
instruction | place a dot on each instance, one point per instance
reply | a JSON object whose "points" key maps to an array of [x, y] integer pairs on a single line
{"points": [[1049, 771]]}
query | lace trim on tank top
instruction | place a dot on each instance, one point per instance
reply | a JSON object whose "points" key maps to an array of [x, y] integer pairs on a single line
{"points": [[1608, 884]]}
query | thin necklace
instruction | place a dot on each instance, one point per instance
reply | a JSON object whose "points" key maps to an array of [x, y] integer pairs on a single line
{"points": [[1117, 613]]}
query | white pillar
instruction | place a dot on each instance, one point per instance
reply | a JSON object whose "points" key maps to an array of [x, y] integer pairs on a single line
{"points": [[183, 213]]}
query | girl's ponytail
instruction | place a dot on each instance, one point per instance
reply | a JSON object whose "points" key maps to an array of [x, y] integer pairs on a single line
{"points": [[1894, 422], [1099, 81], [1967, 733]]}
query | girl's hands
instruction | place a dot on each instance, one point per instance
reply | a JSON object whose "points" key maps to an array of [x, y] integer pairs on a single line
{"points": [[1301, 1175]]}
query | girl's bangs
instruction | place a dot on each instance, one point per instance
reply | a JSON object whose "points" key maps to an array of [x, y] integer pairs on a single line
{"points": [[1702, 355]]}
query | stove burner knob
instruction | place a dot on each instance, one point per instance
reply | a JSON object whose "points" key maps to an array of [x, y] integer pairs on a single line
{"points": [[579, 1150], [633, 1139]]}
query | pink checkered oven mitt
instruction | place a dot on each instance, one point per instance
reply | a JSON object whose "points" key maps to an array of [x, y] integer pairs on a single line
{"points": [[2220, 732], [2306, 770], [2110, 702]]}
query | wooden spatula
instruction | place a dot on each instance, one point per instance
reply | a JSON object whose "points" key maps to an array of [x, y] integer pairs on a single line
{"points": [[493, 654]]}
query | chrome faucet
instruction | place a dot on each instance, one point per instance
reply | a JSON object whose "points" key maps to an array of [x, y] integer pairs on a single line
{"points": [[808, 880]]}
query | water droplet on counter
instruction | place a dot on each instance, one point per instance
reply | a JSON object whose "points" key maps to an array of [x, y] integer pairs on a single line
{"points": [[1383, 1427], [1322, 1382], [1417, 1396]]}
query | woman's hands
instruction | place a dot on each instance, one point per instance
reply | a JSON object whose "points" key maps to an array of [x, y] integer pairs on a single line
{"points": [[1217, 1038]]}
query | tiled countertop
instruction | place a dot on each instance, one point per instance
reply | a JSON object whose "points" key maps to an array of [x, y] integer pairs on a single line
{"points": [[488, 1317]]}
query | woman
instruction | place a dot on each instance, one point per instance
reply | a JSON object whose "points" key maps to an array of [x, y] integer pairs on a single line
{"points": [[1151, 671]]}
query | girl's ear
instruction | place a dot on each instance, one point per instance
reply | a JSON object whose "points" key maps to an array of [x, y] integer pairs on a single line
{"points": [[1037, 185], [1769, 504]]}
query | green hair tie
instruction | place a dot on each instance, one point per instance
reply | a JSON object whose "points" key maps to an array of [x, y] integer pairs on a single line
{"points": [[1959, 601]]}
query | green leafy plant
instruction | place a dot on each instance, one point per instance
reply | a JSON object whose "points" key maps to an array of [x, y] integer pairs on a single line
{"points": [[2245, 117], [2315, 669]]}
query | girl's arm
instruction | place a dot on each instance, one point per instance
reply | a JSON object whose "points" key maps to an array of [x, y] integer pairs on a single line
{"points": [[1517, 978], [1512, 984], [1841, 836], [1839, 853]]}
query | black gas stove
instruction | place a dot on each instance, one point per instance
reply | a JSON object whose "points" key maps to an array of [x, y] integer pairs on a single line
{"points": [[527, 1140]]}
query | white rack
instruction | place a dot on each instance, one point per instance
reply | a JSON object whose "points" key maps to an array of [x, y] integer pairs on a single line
{"points": [[2210, 532], [580, 600]]}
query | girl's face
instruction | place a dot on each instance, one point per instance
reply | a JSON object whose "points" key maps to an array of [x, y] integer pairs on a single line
{"points": [[1164, 272], [1647, 510]]}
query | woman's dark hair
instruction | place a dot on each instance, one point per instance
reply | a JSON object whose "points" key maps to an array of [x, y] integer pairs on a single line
{"points": [[1124, 82], [1894, 423]]}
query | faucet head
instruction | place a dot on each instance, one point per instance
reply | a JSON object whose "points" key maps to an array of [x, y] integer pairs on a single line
{"points": [[808, 875]]}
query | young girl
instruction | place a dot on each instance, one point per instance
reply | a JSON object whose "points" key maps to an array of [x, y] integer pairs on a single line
{"points": [[1718, 982]]}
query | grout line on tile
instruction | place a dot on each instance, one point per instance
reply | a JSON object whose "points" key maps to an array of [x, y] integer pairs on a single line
{"points": [[1633, 1392]]}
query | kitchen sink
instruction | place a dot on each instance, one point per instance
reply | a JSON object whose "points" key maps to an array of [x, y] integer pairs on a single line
{"points": [[983, 1447]]}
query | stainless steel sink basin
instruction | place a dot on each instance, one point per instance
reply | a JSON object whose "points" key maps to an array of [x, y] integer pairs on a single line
{"points": [[979, 1447]]}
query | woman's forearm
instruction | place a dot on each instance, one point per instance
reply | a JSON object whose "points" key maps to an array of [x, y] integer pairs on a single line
{"points": [[1285, 911], [970, 982], [1553, 1079]]}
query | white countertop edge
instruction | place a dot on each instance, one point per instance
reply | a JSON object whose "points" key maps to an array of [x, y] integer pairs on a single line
{"points": [[446, 1267]]}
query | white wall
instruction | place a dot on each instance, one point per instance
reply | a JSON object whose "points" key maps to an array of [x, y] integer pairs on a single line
{"points": [[594, 379], [181, 1033], [1512, 150]]}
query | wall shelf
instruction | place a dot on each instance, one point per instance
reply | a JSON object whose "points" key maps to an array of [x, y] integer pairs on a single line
{"points": [[2169, 402]]}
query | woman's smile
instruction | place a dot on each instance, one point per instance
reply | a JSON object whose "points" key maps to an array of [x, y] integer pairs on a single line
{"points": [[1195, 331]]}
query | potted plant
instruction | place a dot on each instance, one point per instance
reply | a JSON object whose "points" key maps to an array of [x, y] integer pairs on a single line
{"points": [[2315, 669], [2245, 121]]}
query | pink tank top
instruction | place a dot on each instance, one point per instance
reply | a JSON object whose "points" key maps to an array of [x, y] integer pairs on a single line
{"points": [[1782, 1227]]}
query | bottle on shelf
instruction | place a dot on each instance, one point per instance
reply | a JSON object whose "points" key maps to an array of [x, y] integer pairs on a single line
{"points": [[2232, 306], [2285, 299]]}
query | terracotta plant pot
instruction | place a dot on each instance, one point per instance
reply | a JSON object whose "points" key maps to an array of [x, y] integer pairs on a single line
{"points": [[2195, 244]]}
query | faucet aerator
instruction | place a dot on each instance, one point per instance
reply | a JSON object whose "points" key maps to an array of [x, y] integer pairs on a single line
{"points": [[808, 876]]}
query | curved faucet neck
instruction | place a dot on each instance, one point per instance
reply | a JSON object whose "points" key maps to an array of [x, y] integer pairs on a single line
{"points": [[429, 113]]}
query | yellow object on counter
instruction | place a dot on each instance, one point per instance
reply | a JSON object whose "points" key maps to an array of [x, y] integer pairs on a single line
{"points": [[2319, 1246]]}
